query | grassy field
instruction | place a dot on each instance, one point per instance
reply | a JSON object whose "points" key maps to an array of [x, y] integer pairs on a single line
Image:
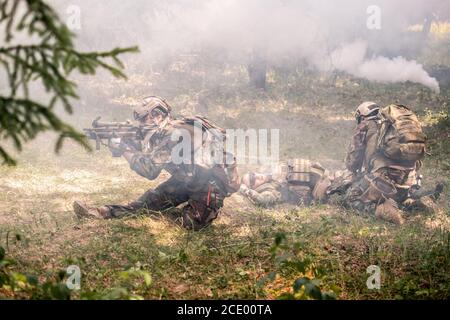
{"points": [[248, 253]]}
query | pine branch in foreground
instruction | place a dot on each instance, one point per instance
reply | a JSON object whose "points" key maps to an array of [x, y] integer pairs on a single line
{"points": [[48, 61]]}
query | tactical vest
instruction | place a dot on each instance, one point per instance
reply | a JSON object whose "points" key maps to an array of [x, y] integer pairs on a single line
{"points": [[303, 172], [214, 157], [203, 165]]}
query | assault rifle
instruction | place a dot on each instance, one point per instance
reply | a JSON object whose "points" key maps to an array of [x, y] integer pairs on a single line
{"points": [[128, 133]]}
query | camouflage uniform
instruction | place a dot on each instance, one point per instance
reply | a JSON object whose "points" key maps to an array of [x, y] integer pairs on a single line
{"points": [[297, 188], [377, 177], [202, 186], [274, 192]]}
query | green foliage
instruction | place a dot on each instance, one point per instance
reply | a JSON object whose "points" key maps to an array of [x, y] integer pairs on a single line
{"points": [[438, 132], [49, 60], [445, 120], [17, 285], [134, 279], [294, 258]]}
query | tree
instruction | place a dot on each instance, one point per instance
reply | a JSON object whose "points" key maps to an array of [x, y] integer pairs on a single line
{"points": [[257, 70], [47, 59]]}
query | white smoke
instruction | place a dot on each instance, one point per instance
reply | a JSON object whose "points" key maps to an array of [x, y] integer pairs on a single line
{"points": [[351, 58], [282, 30], [295, 30]]}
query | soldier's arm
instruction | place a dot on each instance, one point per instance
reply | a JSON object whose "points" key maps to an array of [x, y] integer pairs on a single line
{"points": [[264, 199], [148, 165], [355, 154]]}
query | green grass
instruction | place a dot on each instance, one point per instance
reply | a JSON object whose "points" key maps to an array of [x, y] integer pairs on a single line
{"points": [[233, 257]]}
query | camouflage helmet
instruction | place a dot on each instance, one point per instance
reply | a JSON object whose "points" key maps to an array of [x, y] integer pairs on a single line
{"points": [[367, 109], [150, 105]]}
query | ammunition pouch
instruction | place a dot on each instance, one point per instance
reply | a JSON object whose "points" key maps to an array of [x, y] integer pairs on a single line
{"points": [[377, 188], [197, 215], [304, 172]]}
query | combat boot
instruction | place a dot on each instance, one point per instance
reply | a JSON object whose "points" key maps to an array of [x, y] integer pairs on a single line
{"points": [[82, 210], [434, 194], [389, 211], [425, 204]]}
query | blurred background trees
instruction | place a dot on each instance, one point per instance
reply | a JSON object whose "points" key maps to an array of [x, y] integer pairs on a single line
{"points": [[37, 56]]}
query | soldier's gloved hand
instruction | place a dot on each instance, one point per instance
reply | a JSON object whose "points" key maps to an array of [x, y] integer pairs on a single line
{"points": [[116, 147], [244, 190]]}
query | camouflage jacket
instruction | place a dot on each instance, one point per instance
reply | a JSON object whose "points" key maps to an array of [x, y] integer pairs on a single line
{"points": [[197, 173], [274, 192], [266, 195], [363, 156], [363, 146]]}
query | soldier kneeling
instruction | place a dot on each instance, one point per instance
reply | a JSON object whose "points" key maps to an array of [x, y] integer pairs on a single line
{"points": [[384, 157], [200, 184]]}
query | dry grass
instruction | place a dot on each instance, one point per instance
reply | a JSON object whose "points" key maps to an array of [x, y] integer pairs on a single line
{"points": [[229, 259]]}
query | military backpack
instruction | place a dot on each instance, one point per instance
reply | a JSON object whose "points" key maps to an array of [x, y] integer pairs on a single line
{"points": [[401, 137], [303, 172]]}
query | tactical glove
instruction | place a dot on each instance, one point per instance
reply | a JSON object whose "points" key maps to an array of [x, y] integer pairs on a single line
{"points": [[244, 190], [118, 146]]}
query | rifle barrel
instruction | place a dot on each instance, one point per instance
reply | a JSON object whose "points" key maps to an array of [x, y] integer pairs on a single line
{"points": [[113, 124]]}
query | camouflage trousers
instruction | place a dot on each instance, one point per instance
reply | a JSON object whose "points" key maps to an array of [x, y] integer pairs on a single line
{"points": [[201, 207], [373, 189]]}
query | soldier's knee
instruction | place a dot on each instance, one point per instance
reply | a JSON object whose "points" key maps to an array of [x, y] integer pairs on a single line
{"points": [[199, 214]]}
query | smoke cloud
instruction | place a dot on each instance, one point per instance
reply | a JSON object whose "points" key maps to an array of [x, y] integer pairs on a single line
{"points": [[328, 35], [352, 59]]}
